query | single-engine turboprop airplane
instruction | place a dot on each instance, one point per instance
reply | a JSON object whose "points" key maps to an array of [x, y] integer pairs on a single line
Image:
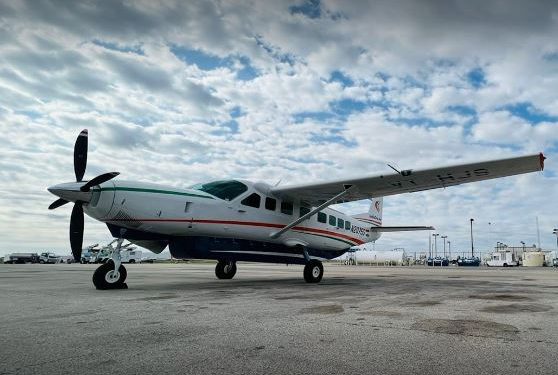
{"points": [[237, 220]]}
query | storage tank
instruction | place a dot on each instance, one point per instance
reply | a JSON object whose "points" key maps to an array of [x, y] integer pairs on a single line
{"points": [[533, 259], [380, 257]]}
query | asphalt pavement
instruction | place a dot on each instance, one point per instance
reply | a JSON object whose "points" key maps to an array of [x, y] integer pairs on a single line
{"points": [[180, 319]]}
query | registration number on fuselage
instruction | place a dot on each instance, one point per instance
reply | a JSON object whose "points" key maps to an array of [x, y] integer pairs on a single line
{"points": [[359, 230]]}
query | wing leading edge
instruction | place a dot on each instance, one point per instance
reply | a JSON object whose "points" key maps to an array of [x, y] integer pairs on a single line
{"points": [[411, 181]]}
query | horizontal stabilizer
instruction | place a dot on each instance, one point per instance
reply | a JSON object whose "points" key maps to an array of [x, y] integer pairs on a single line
{"points": [[399, 229]]}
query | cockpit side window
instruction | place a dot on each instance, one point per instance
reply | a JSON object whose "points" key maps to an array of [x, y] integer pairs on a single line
{"points": [[227, 190], [253, 200]]}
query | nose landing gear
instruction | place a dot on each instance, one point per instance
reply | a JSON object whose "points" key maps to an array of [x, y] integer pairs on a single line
{"points": [[112, 274]]}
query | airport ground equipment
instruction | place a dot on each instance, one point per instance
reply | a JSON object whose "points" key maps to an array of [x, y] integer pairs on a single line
{"points": [[238, 220], [20, 258]]}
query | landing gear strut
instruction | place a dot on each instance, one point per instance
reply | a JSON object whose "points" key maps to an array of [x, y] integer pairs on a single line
{"points": [[313, 271], [225, 270], [107, 276]]}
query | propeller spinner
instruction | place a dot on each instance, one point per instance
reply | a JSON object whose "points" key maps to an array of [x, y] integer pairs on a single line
{"points": [[78, 192]]}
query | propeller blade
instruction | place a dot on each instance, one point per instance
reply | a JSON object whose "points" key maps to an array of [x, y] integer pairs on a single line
{"points": [[80, 155], [99, 180], [57, 203], [76, 230]]}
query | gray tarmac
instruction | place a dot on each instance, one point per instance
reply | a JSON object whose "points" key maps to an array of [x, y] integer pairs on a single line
{"points": [[179, 319]]}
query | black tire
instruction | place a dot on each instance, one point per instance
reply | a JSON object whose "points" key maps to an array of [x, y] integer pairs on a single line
{"points": [[132, 261], [505, 264], [225, 270], [102, 281], [313, 271]]}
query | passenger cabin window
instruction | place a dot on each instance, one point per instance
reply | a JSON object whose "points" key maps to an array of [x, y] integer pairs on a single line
{"points": [[270, 204], [322, 218], [304, 211], [253, 200], [347, 225], [287, 207], [340, 223], [227, 190], [332, 220]]}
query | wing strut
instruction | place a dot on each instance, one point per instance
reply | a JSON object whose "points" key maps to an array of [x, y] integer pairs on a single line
{"points": [[312, 212]]}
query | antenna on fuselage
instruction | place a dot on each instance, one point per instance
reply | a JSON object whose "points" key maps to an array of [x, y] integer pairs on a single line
{"points": [[395, 169], [404, 173]]}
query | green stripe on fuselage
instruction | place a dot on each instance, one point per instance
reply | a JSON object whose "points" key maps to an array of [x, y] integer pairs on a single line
{"points": [[156, 191]]}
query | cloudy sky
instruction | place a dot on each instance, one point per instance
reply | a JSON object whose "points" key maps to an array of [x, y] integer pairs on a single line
{"points": [[185, 92]]}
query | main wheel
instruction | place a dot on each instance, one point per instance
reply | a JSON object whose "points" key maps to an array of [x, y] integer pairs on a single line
{"points": [[105, 277], [313, 271], [225, 270]]}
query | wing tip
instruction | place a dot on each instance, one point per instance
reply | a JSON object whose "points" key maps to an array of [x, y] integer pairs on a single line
{"points": [[542, 158]]}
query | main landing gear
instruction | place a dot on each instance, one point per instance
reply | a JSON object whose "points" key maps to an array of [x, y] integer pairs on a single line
{"points": [[313, 271], [225, 270], [107, 276]]}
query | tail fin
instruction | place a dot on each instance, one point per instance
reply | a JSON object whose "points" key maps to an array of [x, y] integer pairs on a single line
{"points": [[374, 214]]}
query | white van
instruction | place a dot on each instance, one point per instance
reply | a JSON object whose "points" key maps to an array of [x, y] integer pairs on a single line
{"points": [[502, 259]]}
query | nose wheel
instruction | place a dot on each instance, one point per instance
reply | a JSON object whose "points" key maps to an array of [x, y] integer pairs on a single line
{"points": [[313, 271], [112, 274], [225, 270], [106, 277]]}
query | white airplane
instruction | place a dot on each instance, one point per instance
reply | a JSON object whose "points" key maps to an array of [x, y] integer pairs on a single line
{"points": [[238, 220]]}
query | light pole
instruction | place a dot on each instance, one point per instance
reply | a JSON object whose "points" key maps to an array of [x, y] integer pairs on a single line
{"points": [[523, 244], [449, 249], [436, 244], [555, 232], [472, 246], [444, 237]]}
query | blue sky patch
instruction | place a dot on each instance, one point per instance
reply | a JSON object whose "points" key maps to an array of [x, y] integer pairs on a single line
{"points": [[332, 138], [529, 113], [275, 52], [553, 56], [315, 116], [345, 107], [232, 125], [207, 61], [236, 112], [309, 8], [476, 78], [337, 76], [462, 110], [116, 47], [202, 60]]}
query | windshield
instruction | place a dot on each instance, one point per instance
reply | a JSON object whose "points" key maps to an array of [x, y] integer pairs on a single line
{"points": [[227, 190]]}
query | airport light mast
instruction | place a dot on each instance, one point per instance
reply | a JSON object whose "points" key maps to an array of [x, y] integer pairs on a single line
{"points": [[472, 246], [444, 237], [436, 244], [555, 232]]}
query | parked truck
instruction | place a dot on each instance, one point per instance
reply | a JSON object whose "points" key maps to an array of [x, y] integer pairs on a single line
{"points": [[49, 258], [21, 258], [503, 259]]}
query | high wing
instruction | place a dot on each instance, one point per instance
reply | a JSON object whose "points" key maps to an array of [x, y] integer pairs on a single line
{"points": [[408, 181]]}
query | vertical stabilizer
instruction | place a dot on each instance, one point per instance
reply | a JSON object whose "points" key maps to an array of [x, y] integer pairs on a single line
{"points": [[374, 214]]}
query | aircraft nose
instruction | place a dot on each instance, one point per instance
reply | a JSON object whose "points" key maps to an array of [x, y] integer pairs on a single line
{"points": [[70, 192]]}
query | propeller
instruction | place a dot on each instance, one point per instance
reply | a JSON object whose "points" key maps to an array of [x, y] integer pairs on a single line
{"points": [[76, 220]]}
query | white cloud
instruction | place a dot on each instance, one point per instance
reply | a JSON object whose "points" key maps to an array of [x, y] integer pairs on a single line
{"points": [[110, 67]]}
